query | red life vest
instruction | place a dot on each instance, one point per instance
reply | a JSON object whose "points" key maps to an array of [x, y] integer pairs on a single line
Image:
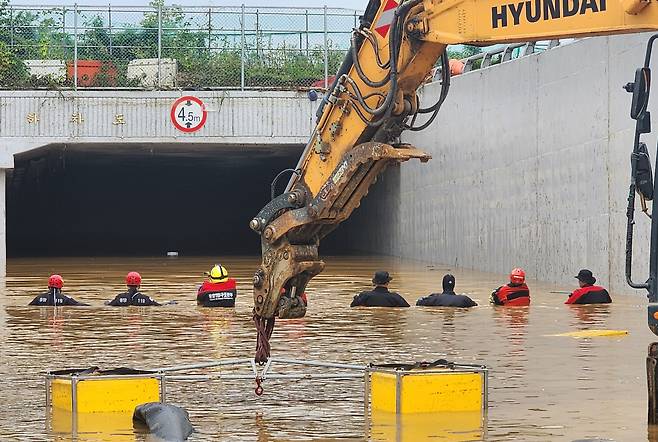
{"points": [[217, 294], [592, 294], [518, 295], [214, 287]]}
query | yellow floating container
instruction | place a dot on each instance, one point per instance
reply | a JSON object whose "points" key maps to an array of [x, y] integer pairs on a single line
{"points": [[459, 426], [103, 394], [453, 388], [97, 427]]}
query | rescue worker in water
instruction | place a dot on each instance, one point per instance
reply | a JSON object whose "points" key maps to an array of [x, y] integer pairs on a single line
{"points": [[448, 298], [133, 295], [219, 290], [380, 296], [588, 293], [514, 294], [54, 295]]}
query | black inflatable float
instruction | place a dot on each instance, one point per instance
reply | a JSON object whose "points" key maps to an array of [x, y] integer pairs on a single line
{"points": [[167, 422]]}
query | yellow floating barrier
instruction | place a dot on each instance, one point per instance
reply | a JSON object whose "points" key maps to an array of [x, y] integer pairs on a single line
{"points": [[428, 389], [103, 392], [594, 333]]}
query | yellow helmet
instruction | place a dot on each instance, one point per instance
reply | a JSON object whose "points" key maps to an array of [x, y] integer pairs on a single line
{"points": [[217, 274]]}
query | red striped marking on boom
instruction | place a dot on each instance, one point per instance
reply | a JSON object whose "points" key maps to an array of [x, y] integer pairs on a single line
{"points": [[385, 20]]}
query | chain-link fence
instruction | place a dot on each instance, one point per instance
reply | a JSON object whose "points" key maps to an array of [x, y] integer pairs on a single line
{"points": [[165, 47]]}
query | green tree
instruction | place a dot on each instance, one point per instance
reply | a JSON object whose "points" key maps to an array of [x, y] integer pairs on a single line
{"points": [[463, 51]]}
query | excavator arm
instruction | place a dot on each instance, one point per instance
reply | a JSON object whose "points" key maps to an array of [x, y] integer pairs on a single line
{"points": [[374, 99]]}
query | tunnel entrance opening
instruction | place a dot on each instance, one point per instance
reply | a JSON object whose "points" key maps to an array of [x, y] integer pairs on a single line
{"points": [[144, 200]]}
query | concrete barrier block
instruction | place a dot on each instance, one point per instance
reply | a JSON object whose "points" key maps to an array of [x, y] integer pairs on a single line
{"points": [[145, 70], [47, 68]]}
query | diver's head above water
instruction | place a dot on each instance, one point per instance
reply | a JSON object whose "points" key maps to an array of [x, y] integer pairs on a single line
{"points": [[448, 283], [517, 277], [585, 278], [55, 283], [133, 281], [217, 274], [381, 279]]}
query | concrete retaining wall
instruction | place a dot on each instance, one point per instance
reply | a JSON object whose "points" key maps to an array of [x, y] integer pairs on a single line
{"points": [[32, 119], [530, 168]]}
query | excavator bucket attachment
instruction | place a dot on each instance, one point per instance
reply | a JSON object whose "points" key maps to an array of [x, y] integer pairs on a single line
{"points": [[290, 239]]}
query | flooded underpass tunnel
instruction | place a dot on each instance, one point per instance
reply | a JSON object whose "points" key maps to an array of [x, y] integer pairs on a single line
{"points": [[142, 200]]}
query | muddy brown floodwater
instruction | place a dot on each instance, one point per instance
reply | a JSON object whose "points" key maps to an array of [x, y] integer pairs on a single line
{"points": [[542, 387]]}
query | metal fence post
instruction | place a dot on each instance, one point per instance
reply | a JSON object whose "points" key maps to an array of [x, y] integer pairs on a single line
{"points": [[64, 33], [307, 30], [75, 46], [209, 29], [257, 34], [11, 27], [326, 51], [242, 49], [159, 45], [109, 25]]}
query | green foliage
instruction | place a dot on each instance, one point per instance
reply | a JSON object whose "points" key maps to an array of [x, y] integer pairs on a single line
{"points": [[282, 68], [12, 69], [205, 61], [221, 69], [95, 41]]}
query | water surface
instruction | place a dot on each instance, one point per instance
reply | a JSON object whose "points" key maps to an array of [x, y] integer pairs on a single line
{"points": [[542, 387]]}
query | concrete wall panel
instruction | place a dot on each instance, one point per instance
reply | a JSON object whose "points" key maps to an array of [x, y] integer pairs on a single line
{"points": [[233, 117]]}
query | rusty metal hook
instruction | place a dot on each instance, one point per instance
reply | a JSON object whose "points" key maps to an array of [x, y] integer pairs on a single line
{"points": [[259, 388]]}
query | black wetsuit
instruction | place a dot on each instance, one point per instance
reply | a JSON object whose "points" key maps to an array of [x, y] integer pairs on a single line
{"points": [[379, 297], [446, 299], [132, 297], [54, 295]]}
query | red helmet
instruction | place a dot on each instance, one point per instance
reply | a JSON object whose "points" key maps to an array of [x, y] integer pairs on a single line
{"points": [[133, 279], [55, 281], [517, 276]]}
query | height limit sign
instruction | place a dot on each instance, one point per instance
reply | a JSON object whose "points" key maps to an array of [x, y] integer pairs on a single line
{"points": [[188, 114]]}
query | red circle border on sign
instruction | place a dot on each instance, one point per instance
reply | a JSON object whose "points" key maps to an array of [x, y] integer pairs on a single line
{"points": [[172, 113]]}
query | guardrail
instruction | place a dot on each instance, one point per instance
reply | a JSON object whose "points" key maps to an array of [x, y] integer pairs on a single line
{"points": [[501, 54]]}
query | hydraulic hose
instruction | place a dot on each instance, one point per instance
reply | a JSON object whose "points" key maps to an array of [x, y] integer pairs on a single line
{"points": [[395, 42], [445, 86], [359, 70], [375, 46]]}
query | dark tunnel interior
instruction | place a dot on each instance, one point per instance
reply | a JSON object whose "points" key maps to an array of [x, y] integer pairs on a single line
{"points": [[140, 200]]}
